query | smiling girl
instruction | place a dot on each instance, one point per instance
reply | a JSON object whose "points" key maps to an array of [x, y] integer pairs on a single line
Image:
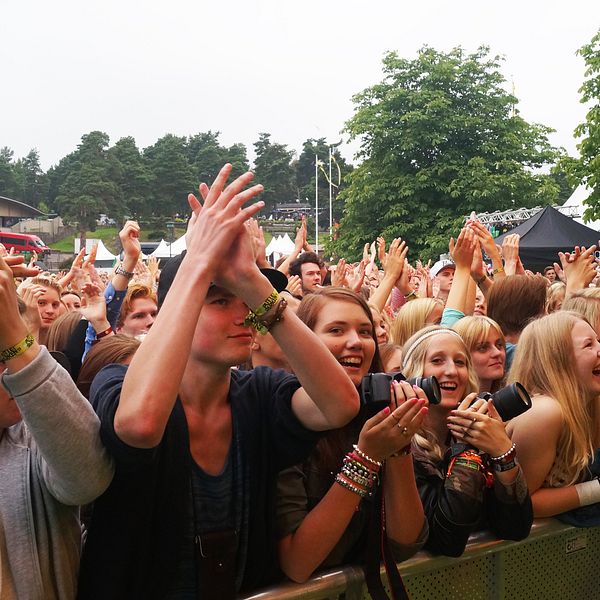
{"points": [[486, 344], [557, 437], [464, 460], [322, 519]]}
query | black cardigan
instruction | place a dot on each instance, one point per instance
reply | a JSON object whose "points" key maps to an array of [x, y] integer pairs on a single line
{"points": [[134, 537]]}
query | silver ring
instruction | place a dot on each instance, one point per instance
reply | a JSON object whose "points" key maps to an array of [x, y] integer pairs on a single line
{"points": [[403, 430]]}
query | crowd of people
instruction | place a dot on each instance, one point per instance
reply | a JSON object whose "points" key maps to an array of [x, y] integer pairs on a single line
{"points": [[215, 424]]}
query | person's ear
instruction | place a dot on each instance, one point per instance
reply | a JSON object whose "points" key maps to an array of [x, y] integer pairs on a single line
{"points": [[255, 346]]}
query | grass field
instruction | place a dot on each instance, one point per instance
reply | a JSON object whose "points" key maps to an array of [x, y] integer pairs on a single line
{"points": [[108, 235]]}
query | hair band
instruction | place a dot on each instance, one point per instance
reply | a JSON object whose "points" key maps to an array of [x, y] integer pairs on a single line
{"points": [[429, 334]]}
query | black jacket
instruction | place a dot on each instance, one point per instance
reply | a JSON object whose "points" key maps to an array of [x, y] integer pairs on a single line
{"points": [[461, 504], [137, 525]]}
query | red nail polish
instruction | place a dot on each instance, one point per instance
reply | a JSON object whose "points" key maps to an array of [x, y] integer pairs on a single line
{"points": [[386, 410]]}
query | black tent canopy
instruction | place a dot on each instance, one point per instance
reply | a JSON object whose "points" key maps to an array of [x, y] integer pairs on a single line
{"points": [[546, 234]]}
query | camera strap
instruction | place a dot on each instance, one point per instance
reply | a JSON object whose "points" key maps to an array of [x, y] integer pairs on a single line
{"points": [[378, 551]]}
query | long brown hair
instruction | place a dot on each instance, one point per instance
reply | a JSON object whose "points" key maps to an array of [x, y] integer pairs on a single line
{"points": [[61, 330], [112, 349], [332, 446]]}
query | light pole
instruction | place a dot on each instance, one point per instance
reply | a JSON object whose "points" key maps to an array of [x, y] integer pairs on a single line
{"points": [[171, 229]]}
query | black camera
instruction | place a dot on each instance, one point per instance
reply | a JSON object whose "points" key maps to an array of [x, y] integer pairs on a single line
{"points": [[375, 392], [510, 402]]}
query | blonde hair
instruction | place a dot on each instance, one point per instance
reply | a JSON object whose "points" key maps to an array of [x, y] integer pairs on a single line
{"points": [[474, 331], [411, 318], [555, 296], [427, 443], [46, 282], [544, 363], [587, 303]]}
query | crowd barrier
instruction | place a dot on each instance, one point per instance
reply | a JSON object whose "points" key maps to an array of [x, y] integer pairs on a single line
{"points": [[556, 561]]}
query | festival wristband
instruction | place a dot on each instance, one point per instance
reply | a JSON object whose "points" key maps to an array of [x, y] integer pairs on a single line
{"points": [[17, 349]]}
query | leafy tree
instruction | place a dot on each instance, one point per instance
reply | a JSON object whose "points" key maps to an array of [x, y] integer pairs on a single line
{"points": [[440, 136], [586, 169], [305, 174], [207, 156], [172, 173], [8, 181], [90, 187], [274, 171], [134, 178], [32, 180]]}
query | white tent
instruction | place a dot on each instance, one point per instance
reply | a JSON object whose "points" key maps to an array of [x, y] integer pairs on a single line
{"points": [[178, 246], [287, 245], [576, 200], [162, 250], [103, 253]]}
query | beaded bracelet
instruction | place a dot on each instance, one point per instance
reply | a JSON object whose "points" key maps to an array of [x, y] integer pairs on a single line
{"points": [[360, 469], [367, 458], [341, 481], [508, 455], [355, 478]]}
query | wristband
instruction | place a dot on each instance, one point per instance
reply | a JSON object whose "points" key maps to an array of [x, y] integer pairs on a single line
{"points": [[588, 492], [498, 270], [121, 271], [17, 349], [104, 333], [506, 466], [411, 296], [267, 305]]}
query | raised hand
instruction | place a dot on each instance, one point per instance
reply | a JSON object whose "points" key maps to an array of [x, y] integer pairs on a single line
{"points": [[129, 237], [218, 239], [392, 429], [294, 286], [510, 253], [338, 275]]}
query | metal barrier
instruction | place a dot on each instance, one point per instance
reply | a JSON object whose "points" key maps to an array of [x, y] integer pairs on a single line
{"points": [[556, 561]]}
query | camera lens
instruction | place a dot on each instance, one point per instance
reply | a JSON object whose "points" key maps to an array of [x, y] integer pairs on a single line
{"points": [[430, 386]]}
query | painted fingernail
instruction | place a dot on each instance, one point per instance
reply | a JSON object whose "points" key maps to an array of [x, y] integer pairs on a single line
{"points": [[422, 401], [415, 387], [386, 410]]}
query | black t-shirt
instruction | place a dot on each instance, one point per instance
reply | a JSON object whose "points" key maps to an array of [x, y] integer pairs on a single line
{"points": [[138, 523]]}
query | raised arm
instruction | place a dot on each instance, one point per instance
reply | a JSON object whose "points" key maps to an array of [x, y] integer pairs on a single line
{"points": [[148, 395], [462, 254], [394, 265]]}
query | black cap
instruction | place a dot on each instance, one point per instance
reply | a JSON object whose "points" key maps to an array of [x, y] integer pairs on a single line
{"points": [[167, 274]]}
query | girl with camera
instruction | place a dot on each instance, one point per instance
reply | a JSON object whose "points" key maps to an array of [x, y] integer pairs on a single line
{"points": [[558, 361], [465, 464], [325, 504]]}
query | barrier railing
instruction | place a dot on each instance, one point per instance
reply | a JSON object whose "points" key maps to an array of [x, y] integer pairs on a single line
{"points": [[555, 561]]}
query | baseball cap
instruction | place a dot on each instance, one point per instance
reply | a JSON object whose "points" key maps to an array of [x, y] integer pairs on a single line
{"points": [[167, 274], [440, 265]]}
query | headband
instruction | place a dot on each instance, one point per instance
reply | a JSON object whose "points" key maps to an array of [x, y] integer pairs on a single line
{"points": [[422, 338]]}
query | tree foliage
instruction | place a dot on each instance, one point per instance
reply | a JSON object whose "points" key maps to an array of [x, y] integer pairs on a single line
{"points": [[440, 137], [274, 171], [586, 169]]}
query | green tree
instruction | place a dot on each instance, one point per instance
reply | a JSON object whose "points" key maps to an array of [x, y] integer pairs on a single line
{"points": [[134, 178], [440, 137], [206, 156], [172, 173], [8, 181], [274, 171], [90, 186], [586, 169], [32, 181]]}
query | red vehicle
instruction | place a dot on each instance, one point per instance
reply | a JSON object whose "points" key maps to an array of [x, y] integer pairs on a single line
{"points": [[23, 242]]}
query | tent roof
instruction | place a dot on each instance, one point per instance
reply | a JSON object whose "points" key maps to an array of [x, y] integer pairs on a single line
{"points": [[178, 246], [551, 229], [162, 250], [103, 252]]}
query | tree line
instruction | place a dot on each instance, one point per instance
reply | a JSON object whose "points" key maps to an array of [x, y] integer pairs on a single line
{"points": [[122, 180]]}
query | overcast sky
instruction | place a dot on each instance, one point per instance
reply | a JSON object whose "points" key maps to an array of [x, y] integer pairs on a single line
{"points": [[242, 67]]}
